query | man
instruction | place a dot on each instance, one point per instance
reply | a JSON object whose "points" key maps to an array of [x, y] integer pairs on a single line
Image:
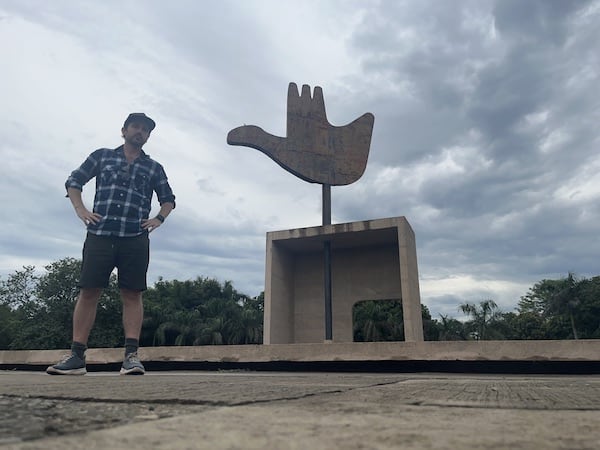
{"points": [[117, 236]]}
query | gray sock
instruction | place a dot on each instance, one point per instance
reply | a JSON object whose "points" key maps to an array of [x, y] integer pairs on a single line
{"points": [[131, 346], [79, 349]]}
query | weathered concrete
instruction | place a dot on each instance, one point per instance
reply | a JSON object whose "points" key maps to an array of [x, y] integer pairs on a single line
{"points": [[370, 260], [568, 350], [246, 410]]}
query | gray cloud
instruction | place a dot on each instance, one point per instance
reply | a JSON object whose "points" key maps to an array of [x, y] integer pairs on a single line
{"points": [[485, 133]]}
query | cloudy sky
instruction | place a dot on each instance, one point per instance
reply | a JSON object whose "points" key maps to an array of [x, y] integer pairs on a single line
{"points": [[486, 129]]}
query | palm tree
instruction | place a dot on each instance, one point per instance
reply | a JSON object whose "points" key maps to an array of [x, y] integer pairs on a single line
{"points": [[483, 316], [212, 332], [181, 329], [378, 320], [451, 329]]}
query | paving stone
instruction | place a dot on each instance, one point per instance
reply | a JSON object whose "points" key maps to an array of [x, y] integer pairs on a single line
{"points": [[253, 410]]}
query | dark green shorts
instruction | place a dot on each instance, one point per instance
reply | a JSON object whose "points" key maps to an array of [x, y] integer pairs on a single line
{"points": [[101, 254]]}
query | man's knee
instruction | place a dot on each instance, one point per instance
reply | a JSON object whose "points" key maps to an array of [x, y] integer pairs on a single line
{"points": [[90, 294], [130, 295]]}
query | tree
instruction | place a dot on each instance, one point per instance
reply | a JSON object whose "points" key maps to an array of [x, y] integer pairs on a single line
{"points": [[36, 312], [534, 307], [42, 308], [431, 331], [526, 325], [378, 320], [200, 312], [561, 309], [18, 291], [19, 305], [483, 318], [587, 313], [9, 324], [451, 329], [251, 319], [565, 301]]}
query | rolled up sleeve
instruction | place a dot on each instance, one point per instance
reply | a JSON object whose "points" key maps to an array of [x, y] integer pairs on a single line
{"points": [[163, 189], [84, 173]]}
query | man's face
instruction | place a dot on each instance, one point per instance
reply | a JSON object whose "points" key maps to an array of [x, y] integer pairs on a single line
{"points": [[136, 133]]}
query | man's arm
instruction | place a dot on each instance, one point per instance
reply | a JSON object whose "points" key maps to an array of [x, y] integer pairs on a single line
{"points": [[165, 198], [74, 186], [157, 221], [165, 209], [86, 216]]}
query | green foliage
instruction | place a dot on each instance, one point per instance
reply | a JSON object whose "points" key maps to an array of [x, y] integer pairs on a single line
{"points": [[40, 309], [200, 312], [18, 290], [19, 306], [451, 329], [378, 320], [484, 320], [431, 331], [568, 308], [9, 323], [36, 312], [108, 328]]}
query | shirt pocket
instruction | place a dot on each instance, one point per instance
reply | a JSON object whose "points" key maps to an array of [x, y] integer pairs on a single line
{"points": [[141, 183], [109, 174]]}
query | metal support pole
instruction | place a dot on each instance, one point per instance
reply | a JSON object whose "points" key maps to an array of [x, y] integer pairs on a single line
{"points": [[328, 314], [326, 204], [327, 263]]}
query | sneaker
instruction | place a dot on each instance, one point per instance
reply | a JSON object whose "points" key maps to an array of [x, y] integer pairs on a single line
{"points": [[69, 365], [132, 365]]}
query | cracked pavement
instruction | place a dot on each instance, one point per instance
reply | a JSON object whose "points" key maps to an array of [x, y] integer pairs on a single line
{"points": [[240, 409]]}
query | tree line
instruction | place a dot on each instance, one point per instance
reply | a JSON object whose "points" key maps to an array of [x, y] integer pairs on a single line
{"points": [[36, 312], [567, 308]]}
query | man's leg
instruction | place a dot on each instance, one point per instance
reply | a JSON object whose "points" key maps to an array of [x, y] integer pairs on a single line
{"points": [[133, 315], [84, 315], [133, 259], [97, 264]]}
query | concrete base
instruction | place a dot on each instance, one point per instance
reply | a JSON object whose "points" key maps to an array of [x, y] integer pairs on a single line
{"points": [[504, 351], [370, 260]]}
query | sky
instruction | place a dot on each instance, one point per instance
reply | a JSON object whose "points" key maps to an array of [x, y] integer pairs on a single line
{"points": [[486, 130]]}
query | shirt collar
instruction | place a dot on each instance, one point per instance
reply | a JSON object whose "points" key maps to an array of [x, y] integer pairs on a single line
{"points": [[120, 151]]}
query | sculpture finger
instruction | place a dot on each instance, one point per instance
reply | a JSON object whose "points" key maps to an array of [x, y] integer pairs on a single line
{"points": [[293, 100], [318, 104], [305, 100]]}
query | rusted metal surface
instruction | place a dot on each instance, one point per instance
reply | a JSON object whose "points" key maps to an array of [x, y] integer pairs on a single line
{"points": [[313, 150]]}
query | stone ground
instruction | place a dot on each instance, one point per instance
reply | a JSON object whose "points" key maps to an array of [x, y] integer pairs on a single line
{"points": [[283, 410]]}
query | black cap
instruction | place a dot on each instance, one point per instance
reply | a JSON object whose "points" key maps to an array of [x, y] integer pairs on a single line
{"points": [[140, 117]]}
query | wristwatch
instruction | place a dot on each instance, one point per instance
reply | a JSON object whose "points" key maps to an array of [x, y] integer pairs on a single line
{"points": [[159, 217]]}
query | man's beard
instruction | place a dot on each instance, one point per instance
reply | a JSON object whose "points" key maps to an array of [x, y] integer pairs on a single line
{"points": [[134, 142]]}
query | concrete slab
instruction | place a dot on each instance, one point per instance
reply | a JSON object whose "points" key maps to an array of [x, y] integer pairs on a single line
{"points": [[501, 351], [248, 410]]}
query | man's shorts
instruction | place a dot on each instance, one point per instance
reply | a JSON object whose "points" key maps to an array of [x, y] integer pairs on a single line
{"points": [[101, 254]]}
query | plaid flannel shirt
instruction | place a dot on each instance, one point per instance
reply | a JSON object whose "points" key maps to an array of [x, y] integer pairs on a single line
{"points": [[123, 191]]}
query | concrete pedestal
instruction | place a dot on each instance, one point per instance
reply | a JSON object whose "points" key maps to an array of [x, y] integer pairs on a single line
{"points": [[370, 260]]}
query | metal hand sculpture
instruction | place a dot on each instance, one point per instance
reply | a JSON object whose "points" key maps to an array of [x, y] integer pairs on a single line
{"points": [[313, 150]]}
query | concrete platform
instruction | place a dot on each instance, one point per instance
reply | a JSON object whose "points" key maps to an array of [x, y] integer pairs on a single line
{"points": [[278, 410], [573, 356]]}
